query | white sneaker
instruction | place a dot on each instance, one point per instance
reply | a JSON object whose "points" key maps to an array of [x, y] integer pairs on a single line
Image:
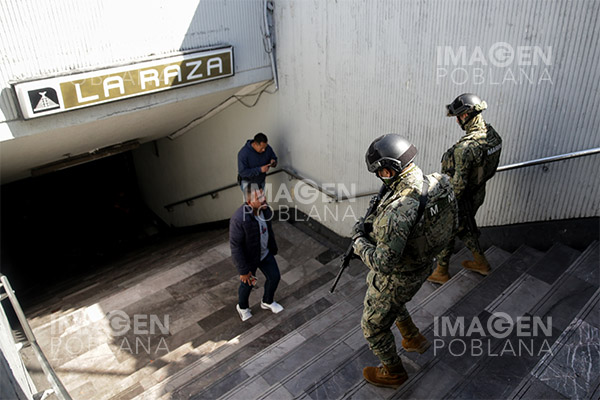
{"points": [[274, 307], [244, 313]]}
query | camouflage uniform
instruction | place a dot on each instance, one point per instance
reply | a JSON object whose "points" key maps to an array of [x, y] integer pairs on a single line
{"points": [[397, 271], [460, 162]]}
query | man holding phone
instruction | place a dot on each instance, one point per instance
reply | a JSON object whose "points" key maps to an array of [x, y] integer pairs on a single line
{"points": [[254, 161], [253, 247]]}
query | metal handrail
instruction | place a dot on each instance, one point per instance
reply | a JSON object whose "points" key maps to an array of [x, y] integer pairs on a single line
{"points": [[523, 164], [550, 159], [336, 198], [290, 172], [212, 193], [57, 385]]}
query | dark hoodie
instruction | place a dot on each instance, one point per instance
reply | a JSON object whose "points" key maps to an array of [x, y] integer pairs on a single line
{"points": [[250, 161]]}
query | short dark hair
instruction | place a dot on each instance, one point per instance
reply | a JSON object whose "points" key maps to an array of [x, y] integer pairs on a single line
{"points": [[260, 138], [249, 189]]}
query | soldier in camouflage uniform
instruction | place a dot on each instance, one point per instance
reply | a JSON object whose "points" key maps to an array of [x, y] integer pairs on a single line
{"points": [[470, 163], [397, 252]]}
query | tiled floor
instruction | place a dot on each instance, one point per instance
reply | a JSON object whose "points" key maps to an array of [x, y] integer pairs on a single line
{"points": [[160, 324], [149, 316]]}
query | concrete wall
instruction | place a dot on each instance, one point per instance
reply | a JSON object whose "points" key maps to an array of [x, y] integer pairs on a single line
{"points": [[352, 70], [41, 39], [202, 160]]}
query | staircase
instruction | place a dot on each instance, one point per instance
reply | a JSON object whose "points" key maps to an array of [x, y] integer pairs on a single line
{"points": [[324, 352], [315, 349]]}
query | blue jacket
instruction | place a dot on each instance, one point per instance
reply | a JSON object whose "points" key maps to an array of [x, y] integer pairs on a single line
{"points": [[244, 239], [250, 161]]}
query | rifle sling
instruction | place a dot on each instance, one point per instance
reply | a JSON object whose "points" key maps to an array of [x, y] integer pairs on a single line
{"points": [[422, 199], [420, 211]]}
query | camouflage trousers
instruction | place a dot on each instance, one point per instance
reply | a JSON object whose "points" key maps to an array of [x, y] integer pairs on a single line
{"points": [[385, 303], [469, 238]]}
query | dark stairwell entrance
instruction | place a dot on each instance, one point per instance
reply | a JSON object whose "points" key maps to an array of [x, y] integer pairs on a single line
{"points": [[59, 227]]}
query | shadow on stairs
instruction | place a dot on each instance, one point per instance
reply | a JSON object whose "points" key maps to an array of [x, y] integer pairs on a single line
{"points": [[551, 349]]}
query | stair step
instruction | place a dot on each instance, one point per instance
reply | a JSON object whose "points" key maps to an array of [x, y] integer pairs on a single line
{"points": [[282, 357], [573, 289], [504, 362], [334, 383], [571, 369], [503, 277], [501, 261], [305, 302], [426, 290], [350, 291], [285, 367], [352, 282], [429, 287], [334, 380], [311, 329], [213, 381], [269, 381]]}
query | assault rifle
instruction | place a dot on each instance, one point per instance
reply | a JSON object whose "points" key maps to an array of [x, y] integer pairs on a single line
{"points": [[349, 253]]}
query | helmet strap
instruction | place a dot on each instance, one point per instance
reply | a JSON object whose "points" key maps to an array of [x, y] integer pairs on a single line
{"points": [[470, 116], [390, 180]]}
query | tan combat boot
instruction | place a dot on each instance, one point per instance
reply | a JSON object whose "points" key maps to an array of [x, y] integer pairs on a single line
{"points": [[480, 265], [412, 339], [387, 376], [440, 275]]}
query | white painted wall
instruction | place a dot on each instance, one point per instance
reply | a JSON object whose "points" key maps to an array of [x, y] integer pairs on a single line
{"points": [[202, 160], [352, 70], [40, 39], [44, 39]]}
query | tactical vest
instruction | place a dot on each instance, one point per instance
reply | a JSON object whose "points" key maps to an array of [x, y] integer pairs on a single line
{"points": [[489, 157], [437, 218]]}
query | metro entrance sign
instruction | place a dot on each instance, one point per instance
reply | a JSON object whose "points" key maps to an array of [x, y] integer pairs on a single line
{"points": [[69, 92]]}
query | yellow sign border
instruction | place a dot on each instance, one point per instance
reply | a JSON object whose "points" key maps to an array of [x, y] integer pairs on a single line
{"points": [[69, 92]]}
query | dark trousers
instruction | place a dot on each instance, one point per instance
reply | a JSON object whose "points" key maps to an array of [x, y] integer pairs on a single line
{"points": [[469, 238], [269, 268]]}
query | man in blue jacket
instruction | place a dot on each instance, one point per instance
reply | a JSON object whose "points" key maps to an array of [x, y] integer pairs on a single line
{"points": [[254, 161], [253, 247]]}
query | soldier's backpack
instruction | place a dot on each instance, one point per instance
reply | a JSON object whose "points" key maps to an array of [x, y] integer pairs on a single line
{"points": [[437, 218], [487, 160], [491, 147]]}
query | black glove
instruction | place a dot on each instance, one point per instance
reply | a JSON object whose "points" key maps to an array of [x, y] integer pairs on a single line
{"points": [[359, 230]]}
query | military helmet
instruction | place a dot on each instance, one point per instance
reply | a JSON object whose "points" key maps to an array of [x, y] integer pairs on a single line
{"points": [[465, 103], [390, 151]]}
